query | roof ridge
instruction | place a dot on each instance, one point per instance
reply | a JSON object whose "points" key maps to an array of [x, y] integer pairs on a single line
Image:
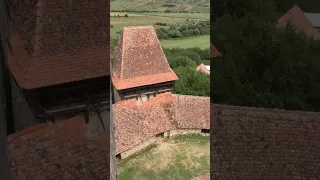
{"points": [[121, 53], [39, 12], [35, 44]]}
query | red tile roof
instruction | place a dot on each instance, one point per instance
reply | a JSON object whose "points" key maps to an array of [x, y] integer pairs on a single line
{"points": [[203, 68], [192, 112], [139, 59], [60, 42], [214, 52], [135, 124], [298, 20], [59, 151]]}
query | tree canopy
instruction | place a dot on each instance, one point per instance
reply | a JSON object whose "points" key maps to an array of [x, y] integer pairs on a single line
{"points": [[263, 66]]}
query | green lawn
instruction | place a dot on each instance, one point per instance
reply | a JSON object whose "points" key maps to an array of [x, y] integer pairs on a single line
{"points": [[202, 42], [181, 158]]}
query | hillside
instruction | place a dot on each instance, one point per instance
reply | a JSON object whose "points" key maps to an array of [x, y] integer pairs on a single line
{"points": [[161, 5]]}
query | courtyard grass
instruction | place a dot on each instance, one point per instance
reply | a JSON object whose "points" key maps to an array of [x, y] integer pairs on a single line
{"points": [[202, 42], [180, 158]]}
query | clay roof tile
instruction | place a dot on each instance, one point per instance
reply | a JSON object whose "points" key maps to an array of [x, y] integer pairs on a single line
{"points": [[139, 59]]}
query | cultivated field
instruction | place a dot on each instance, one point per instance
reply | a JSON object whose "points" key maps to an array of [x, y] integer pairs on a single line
{"points": [[161, 5], [136, 19], [181, 158], [199, 16], [190, 42]]}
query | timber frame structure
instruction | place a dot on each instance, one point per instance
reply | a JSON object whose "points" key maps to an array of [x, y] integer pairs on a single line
{"points": [[149, 90], [69, 99]]}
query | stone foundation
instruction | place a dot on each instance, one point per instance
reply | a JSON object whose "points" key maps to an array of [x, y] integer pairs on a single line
{"points": [[166, 135], [177, 132], [138, 148]]}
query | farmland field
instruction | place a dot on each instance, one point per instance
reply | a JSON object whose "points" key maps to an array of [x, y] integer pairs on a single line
{"points": [[157, 5], [200, 16], [190, 42], [135, 19]]}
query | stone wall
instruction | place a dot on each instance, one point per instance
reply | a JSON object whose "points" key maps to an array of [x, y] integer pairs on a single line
{"points": [[4, 34], [152, 140], [22, 114], [254, 143], [176, 132], [138, 148], [4, 160]]}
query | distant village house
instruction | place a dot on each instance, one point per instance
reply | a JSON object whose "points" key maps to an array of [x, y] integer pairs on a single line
{"points": [[309, 23]]}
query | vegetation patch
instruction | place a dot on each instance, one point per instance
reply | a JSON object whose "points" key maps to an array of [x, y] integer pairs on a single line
{"points": [[201, 42], [263, 66], [180, 158], [185, 30]]}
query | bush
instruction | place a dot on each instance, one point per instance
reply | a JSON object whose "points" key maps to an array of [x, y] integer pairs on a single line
{"points": [[191, 82], [126, 15], [174, 31]]}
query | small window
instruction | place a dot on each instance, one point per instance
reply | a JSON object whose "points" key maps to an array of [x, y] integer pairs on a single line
{"points": [[118, 156], [205, 131], [160, 135]]}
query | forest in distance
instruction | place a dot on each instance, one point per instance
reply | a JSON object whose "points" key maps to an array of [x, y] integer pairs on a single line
{"points": [[263, 66]]}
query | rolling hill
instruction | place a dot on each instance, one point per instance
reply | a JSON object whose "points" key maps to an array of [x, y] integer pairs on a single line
{"points": [[161, 5]]}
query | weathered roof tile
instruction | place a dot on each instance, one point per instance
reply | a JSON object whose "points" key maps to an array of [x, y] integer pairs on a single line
{"points": [[139, 59], [61, 42], [135, 124], [63, 150], [298, 20]]}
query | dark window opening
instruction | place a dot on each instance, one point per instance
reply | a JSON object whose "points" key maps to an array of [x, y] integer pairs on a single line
{"points": [[205, 131], [160, 135], [118, 156], [73, 94]]}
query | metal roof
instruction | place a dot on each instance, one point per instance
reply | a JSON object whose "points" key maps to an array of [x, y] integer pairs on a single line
{"points": [[314, 18], [208, 67]]}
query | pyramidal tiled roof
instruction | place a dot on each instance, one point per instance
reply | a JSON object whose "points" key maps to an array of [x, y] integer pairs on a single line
{"points": [[139, 59], [298, 20], [214, 51], [56, 42]]}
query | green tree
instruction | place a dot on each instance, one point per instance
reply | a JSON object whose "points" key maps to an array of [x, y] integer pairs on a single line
{"points": [[191, 82], [264, 66]]}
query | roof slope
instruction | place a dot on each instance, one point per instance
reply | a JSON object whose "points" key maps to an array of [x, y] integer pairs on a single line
{"points": [[135, 124], [257, 143], [64, 150], [298, 20], [314, 18], [61, 42], [214, 51], [203, 68], [139, 59]]}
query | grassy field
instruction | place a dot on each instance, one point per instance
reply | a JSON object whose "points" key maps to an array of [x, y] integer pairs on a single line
{"points": [[139, 20], [202, 42], [180, 158], [175, 5], [199, 16]]}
